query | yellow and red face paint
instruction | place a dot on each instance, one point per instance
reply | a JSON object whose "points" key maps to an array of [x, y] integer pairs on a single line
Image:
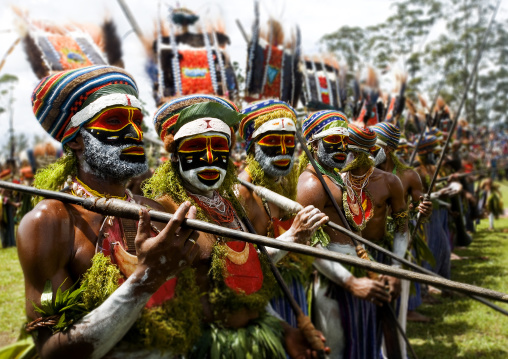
{"points": [[204, 151], [120, 126], [274, 144]]}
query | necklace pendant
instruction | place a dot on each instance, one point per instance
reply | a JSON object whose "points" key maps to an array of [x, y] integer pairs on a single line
{"points": [[355, 208]]}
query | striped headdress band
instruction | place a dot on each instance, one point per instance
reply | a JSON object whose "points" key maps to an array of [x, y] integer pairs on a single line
{"points": [[428, 144], [258, 113], [167, 119], [316, 123], [65, 101], [361, 139], [388, 133]]}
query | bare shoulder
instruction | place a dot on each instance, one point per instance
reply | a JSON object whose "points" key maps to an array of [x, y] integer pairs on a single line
{"points": [[47, 216], [167, 203], [147, 202], [244, 193], [311, 191], [393, 181], [412, 177], [308, 180]]}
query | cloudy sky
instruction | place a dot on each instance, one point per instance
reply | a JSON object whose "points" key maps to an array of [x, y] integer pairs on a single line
{"points": [[315, 18]]}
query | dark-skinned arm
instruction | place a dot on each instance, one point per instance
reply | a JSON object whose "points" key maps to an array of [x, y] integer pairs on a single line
{"points": [[48, 257]]}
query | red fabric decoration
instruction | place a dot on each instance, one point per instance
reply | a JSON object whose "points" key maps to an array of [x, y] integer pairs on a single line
{"points": [[279, 227], [248, 277]]}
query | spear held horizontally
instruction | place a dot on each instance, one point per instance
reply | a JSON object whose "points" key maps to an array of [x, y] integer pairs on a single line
{"points": [[119, 208]]}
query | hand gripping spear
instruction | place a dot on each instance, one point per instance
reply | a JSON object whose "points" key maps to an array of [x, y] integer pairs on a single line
{"points": [[123, 209]]}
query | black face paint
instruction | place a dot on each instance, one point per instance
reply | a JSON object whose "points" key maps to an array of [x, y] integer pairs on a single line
{"points": [[332, 151], [204, 159]]}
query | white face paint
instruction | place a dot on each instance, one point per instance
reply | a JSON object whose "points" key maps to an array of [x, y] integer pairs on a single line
{"points": [[380, 157], [203, 161], [103, 161]]}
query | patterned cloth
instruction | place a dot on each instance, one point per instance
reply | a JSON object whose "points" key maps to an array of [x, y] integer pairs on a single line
{"points": [[65, 101], [283, 308], [168, 119], [359, 323], [438, 236], [317, 122], [258, 113], [388, 133], [361, 139]]}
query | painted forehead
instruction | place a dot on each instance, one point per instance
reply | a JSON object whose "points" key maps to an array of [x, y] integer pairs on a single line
{"points": [[204, 136], [124, 114], [276, 125]]}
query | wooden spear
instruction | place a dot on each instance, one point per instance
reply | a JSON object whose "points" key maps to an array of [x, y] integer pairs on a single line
{"points": [[474, 173], [119, 208]]}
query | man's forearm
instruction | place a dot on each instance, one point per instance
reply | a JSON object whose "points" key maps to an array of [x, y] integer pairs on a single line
{"points": [[277, 254], [400, 243], [334, 271], [100, 330]]}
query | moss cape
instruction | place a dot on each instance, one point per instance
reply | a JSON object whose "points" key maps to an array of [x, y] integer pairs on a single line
{"points": [[167, 181]]}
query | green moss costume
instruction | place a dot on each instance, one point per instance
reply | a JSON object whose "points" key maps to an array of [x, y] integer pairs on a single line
{"points": [[262, 337]]}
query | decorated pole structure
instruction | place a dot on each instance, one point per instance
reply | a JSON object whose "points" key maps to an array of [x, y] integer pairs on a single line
{"points": [[293, 207], [424, 127], [119, 208]]}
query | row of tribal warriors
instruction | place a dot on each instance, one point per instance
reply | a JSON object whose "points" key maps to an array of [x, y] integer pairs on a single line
{"points": [[149, 289]]}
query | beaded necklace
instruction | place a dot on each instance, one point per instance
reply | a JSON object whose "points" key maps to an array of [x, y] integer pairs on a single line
{"points": [[218, 209], [358, 207], [78, 188], [333, 176]]}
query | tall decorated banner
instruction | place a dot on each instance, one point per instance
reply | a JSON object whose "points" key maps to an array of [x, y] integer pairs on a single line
{"points": [[324, 83], [54, 47], [273, 63], [185, 62]]}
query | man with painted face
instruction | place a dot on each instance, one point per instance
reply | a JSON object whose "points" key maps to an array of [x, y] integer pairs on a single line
{"points": [[268, 129], [369, 196], [232, 282], [388, 136], [340, 308], [95, 113]]}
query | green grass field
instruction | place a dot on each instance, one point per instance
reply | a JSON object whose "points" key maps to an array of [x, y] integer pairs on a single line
{"points": [[461, 327]]}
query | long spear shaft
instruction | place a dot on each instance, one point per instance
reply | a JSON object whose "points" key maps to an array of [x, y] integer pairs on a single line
{"points": [[132, 20], [457, 115], [293, 207], [424, 127], [474, 173], [119, 208]]}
